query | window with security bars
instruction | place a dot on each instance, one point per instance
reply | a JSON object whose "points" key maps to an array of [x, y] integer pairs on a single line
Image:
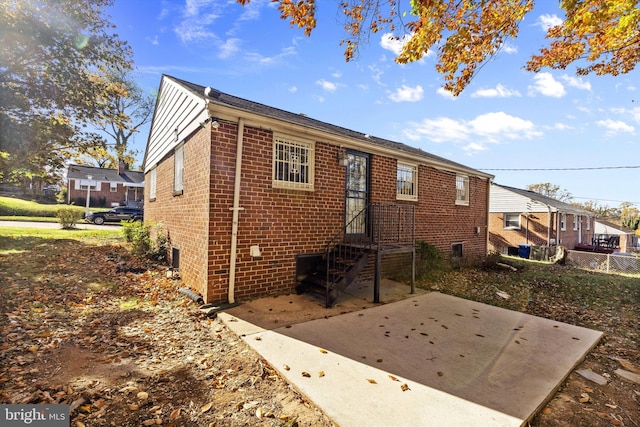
{"points": [[407, 182], [462, 190], [293, 164]]}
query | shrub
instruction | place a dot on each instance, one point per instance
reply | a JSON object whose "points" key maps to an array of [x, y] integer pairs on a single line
{"points": [[68, 217], [430, 262], [146, 239]]}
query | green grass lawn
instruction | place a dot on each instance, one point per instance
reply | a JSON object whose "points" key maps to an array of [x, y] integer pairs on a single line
{"points": [[10, 236], [13, 207]]}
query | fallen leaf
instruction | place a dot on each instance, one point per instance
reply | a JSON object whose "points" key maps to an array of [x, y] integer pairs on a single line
{"points": [[142, 395], [259, 412], [584, 398], [148, 422], [393, 378], [547, 411], [133, 407], [206, 407], [306, 374], [372, 381], [286, 367], [404, 387], [175, 414], [323, 351], [321, 374]]}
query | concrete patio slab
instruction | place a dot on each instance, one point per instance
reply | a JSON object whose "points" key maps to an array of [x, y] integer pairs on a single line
{"points": [[461, 362]]}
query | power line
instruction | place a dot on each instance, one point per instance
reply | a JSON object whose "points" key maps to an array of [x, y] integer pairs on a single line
{"points": [[561, 169]]}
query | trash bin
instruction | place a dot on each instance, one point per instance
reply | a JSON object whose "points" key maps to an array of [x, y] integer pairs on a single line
{"points": [[512, 251], [524, 251]]}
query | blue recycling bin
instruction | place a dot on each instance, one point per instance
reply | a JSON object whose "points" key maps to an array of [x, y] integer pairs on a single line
{"points": [[524, 251]]}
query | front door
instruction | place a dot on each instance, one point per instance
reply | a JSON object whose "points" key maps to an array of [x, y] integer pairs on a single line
{"points": [[356, 193]]}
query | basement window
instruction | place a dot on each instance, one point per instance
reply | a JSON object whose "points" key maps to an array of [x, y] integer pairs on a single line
{"points": [[456, 250], [293, 163]]}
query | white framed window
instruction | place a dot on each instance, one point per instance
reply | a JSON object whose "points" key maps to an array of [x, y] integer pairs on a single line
{"points": [[462, 190], [407, 182], [113, 187], [588, 223], [576, 222], [512, 221], [152, 183], [293, 163], [178, 164], [563, 221], [85, 184]]}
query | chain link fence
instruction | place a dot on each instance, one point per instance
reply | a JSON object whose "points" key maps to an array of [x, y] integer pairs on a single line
{"points": [[607, 263]]}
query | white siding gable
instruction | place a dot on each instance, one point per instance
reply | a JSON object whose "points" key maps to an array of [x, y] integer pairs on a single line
{"points": [[176, 108], [503, 200]]}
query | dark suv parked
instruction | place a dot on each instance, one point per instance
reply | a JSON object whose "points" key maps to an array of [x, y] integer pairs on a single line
{"points": [[115, 215]]}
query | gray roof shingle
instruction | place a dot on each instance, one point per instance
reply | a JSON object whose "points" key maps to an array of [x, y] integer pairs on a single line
{"points": [[105, 175], [216, 96]]}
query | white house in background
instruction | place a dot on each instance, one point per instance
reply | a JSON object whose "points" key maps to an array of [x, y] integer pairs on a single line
{"points": [[626, 239]]}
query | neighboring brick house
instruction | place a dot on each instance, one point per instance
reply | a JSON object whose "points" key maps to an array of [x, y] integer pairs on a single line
{"points": [[519, 217], [245, 191], [109, 187]]}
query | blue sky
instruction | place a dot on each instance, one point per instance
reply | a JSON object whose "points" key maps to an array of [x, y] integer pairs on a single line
{"points": [[507, 118]]}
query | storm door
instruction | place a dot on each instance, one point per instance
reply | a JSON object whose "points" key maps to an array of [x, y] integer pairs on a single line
{"points": [[356, 193]]}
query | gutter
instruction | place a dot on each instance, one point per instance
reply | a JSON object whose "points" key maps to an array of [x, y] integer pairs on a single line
{"points": [[236, 212]]}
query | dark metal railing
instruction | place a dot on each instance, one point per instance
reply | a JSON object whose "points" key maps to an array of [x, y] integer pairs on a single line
{"points": [[376, 225]]}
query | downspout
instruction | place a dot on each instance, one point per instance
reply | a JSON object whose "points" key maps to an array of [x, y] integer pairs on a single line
{"points": [[486, 228], [550, 226], [236, 212]]}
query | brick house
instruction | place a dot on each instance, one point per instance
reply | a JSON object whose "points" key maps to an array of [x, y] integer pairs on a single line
{"points": [[250, 196], [518, 217], [109, 187]]}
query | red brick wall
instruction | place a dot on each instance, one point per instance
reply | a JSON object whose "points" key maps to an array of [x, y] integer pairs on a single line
{"points": [[284, 223], [102, 190], [538, 232], [184, 218]]}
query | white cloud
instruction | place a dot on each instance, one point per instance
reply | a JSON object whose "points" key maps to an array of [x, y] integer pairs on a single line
{"points": [[635, 112], [576, 82], [229, 47], [547, 21], [293, 89], [327, 85], [442, 129], [510, 49], [546, 85], [490, 128], [495, 126], [390, 42], [562, 126], [197, 16], [154, 41], [376, 74], [445, 94], [498, 92], [407, 94], [475, 147], [615, 127], [270, 60]]}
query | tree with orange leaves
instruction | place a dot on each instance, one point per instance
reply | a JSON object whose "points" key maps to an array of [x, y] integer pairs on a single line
{"points": [[603, 34]]}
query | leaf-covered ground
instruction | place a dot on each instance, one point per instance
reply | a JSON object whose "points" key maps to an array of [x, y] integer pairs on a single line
{"points": [[607, 303], [107, 333]]}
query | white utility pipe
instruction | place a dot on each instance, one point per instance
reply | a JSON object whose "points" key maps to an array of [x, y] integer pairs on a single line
{"points": [[236, 212]]}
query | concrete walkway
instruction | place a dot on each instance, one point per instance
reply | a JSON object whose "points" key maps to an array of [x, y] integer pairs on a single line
{"points": [[428, 360]]}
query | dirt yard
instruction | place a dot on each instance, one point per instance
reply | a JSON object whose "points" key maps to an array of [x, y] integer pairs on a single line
{"points": [[107, 333], [110, 335]]}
